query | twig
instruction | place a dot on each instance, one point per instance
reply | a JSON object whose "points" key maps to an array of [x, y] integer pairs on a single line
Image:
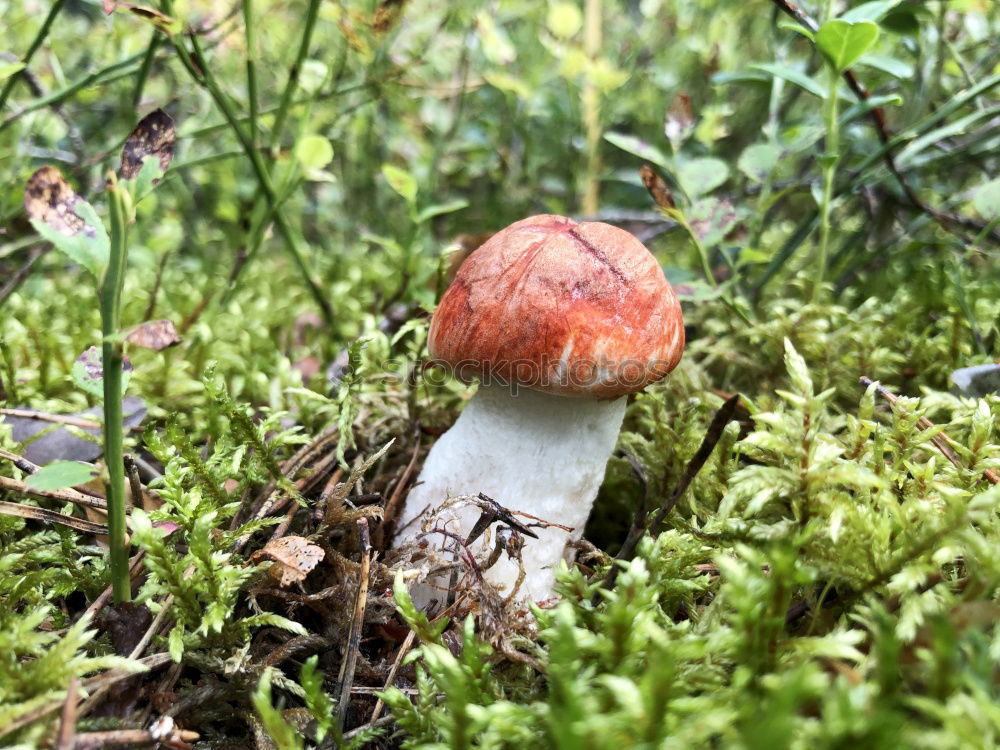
{"points": [[86, 424], [66, 736], [319, 513], [105, 596], [18, 277], [134, 483], [97, 740], [19, 461], [95, 698], [350, 662], [640, 525], [877, 116], [370, 725], [66, 495], [403, 650], [50, 516], [941, 441], [297, 646], [394, 501], [154, 661]]}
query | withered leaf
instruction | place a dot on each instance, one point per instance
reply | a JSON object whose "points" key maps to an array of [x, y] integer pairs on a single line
{"points": [[161, 21], [153, 136], [66, 220], [49, 198], [293, 556], [678, 122], [711, 219], [386, 15], [657, 187], [154, 334]]}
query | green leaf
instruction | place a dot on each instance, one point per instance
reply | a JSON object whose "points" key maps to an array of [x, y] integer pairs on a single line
{"points": [[792, 75], [700, 176], [638, 147], [149, 175], [175, 643], [496, 45], [843, 42], [9, 69], [890, 65], [564, 19], [757, 161], [314, 152], [401, 181], [88, 372], [438, 209], [798, 28], [60, 474], [506, 82], [280, 731], [871, 11], [987, 199]]}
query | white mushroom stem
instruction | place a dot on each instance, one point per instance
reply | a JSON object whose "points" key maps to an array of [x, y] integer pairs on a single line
{"points": [[531, 452]]}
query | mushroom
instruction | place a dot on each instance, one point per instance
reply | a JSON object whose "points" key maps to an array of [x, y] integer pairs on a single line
{"points": [[559, 321]]}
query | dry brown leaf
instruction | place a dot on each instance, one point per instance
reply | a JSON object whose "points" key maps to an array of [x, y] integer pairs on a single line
{"points": [[386, 15], [153, 136], [161, 21], [657, 187], [49, 198], [294, 557], [678, 122], [154, 334]]}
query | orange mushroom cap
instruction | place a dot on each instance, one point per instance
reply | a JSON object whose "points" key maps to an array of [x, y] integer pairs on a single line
{"points": [[577, 309]]}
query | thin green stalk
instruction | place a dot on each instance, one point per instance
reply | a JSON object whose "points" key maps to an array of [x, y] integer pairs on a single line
{"points": [[312, 12], [43, 32], [113, 362], [128, 64], [829, 161], [144, 69], [251, 35], [202, 74]]}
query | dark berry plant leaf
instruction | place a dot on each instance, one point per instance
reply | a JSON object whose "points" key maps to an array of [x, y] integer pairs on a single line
{"points": [[66, 220], [45, 440], [88, 372], [155, 136]]}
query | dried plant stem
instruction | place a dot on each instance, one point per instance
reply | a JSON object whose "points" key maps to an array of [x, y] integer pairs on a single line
{"points": [[350, 662], [641, 524], [66, 735], [404, 649], [941, 441], [65, 495], [84, 424], [50, 516]]}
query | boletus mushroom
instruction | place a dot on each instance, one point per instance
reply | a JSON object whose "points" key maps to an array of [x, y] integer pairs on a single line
{"points": [[559, 321]]}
